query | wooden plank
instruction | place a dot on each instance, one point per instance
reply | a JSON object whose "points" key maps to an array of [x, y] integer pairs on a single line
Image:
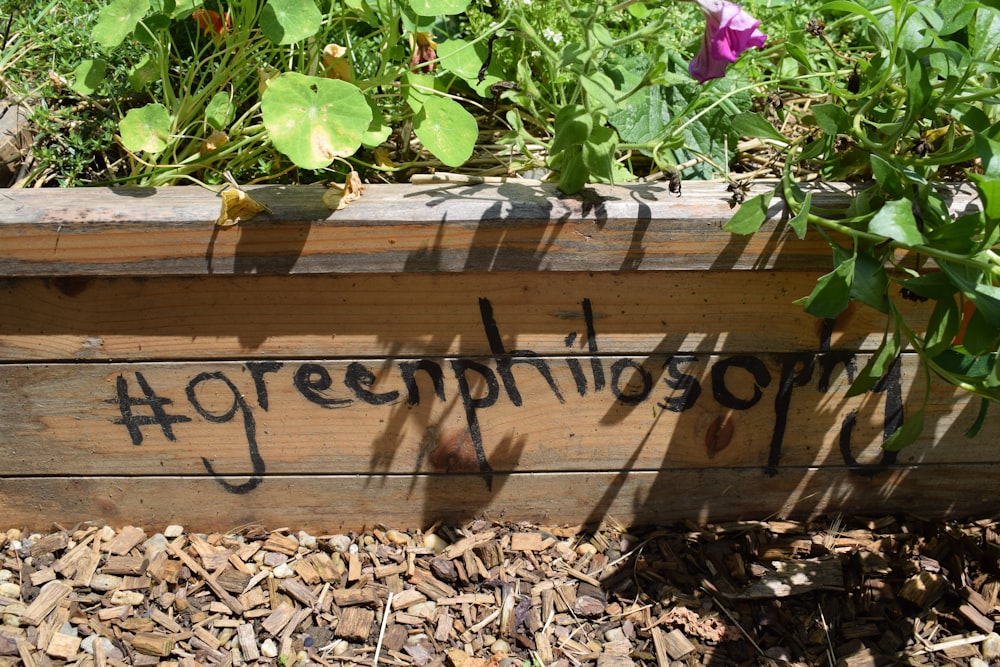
{"points": [[509, 227], [240, 421], [421, 314], [327, 503]]}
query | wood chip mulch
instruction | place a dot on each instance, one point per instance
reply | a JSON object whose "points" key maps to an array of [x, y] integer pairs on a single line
{"points": [[852, 593]]}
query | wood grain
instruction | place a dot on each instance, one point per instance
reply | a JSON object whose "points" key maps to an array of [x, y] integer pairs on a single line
{"points": [[379, 315], [336, 503], [655, 412], [395, 229]]}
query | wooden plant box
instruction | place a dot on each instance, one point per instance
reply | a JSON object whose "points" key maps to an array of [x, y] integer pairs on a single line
{"points": [[443, 352]]}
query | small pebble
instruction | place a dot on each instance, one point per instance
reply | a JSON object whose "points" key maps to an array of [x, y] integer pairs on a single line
{"points": [[133, 598], [586, 549], [173, 531], [991, 647], [154, 545], [87, 645], [306, 540], [107, 534], [268, 648], [614, 635], [283, 571], [435, 542], [397, 537], [12, 613], [978, 662], [340, 543], [9, 589], [340, 647], [6, 575], [105, 582], [500, 647]]}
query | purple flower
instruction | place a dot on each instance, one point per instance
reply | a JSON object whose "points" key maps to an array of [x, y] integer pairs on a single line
{"points": [[729, 31]]}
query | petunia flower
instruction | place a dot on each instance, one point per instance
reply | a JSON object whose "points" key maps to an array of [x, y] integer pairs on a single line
{"points": [[729, 31]]}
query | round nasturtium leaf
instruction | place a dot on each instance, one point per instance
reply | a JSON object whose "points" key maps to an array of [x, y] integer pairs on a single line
{"points": [[117, 20], [89, 75], [146, 128], [438, 7], [446, 130], [290, 21], [313, 120]]}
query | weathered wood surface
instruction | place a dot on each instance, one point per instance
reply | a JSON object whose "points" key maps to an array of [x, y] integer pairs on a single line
{"points": [[444, 352], [239, 422], [394, 229], [349, 502], [378, 315]]}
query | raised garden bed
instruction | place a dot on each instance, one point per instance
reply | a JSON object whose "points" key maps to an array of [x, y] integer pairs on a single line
{"points": [[446, 352]]}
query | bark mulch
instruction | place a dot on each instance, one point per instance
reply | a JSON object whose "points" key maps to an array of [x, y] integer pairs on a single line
{"points": [[851, 592]]}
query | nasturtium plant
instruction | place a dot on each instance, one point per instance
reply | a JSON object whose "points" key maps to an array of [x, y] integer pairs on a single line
{"points": [[438, 7], [313, 120], [117, 20], [290, 21], [446, 130], [89, 75], [146, 129]]}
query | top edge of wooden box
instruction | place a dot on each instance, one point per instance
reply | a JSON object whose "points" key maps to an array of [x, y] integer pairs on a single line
{"points": [[405, 228]]}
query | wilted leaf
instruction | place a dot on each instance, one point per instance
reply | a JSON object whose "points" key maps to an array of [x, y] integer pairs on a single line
{"points": [[237, 206], [215, 140], [335, 63], [340, 195]]}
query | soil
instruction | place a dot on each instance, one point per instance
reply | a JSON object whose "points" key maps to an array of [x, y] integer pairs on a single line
{"points": [[850, 592]]}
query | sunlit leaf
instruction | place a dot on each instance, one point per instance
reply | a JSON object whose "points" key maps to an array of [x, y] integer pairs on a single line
{"points": [[290, 21], [750, 215], [313, 120], [895, 220], [447, 130], [438, 7], [117, 20], [146, 128], [832, 292]]}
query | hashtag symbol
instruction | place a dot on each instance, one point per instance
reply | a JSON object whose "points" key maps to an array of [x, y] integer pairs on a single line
{"points": [[133, 422]]}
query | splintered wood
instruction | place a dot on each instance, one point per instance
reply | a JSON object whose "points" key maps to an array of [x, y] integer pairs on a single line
{"points": [[493, 595]]}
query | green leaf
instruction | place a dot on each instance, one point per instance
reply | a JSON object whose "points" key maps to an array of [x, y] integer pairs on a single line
{"points": [[599, 154], [117, 20], [942, 326], [831, 118], [907, 433], [750, 215], [438, 7], [313, 120], [888, 176], [931, 286], [290, 21], [832, 292], [377, 131], [573, 125], [601, 89], [977, 425], [145, 72], [895, 220], [146, 129], [750, 124], [801, 219], [980, 335], [876, 367], [219, 111], [447, 130], [572, 172], [870, 283], [465, 60], [88, 76]]}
